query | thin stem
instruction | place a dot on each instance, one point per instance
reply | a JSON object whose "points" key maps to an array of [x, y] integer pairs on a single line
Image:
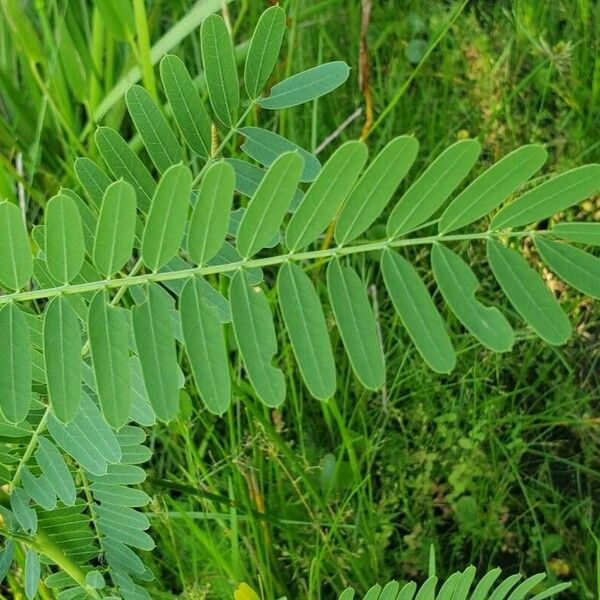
{"points": [[268, 261]]}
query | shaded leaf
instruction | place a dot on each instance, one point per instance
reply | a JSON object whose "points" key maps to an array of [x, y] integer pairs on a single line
{"points": [[16, 262], [38, 488], [92, 178], [24, 514], [418, 312], [528, 293]]}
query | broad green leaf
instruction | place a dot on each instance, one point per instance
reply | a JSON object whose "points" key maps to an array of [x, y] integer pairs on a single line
{"points": [[418, 312], [356, 324], [390, 591], [108, 334], [528, 293], [579, 233], [24, 514], [115, 231], [256, 339], [458, 285], [448, 588], [265, 147], [429, 192], [159, 139], [220, 69], [408, 591], [32, 573], [124, 163], [492, 187], [307, 329], [62, 358], [16, 262], [325, 196], [577, 267], [119, 495], [505, 586], [118, 17], [15, 358], [205, 345], [93, 180], [268, 206], [208, 225], [65, 247], [550, 197], [307, 85], [167, 218], [375, 188], [56, 471], [153, 329], [264, 50], [87, 438], [373, 593], [38, 488], [188, 109]]}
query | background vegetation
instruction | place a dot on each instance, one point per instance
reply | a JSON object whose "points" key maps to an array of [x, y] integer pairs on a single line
{"points": [[495, 464]]}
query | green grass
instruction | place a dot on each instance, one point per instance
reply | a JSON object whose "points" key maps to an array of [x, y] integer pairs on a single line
{"points": [[496, 464]]}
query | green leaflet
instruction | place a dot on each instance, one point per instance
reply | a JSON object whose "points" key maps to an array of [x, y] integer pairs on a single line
{"points": [[264, 50], [553, 591], [115, 231], [38, 489], [356, 324], [6, 558], [205, 345], [269, 204], [124, 163], [62, 358], [87, 438], [307, 330], [550, 197], [167, 218], [307, 85], [55, 470], [92, 178], [427, 194], [32, 573], [16, 263], [418, 312], [65, 247], [121, 558], [119, 495], [153, 329], [493, 186], [458, 285], [427, 590], [390, 591], [528, 293], [523, 589], [15, 358], [373, 593], [256, 339], [325, 196], [408, 591], [219, 69], [375, 188], [464, 585], [265, 147], [505, 586], [577, 267], [208, 225], [580, 233], [446, 592], [88, 219], [109, 340], [188, 109], [24, 514]]}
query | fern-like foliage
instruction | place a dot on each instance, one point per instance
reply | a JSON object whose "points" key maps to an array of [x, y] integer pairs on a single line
{"points": [[156, 258]]}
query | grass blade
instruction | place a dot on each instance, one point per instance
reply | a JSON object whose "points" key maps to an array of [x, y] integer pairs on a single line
{"points": [[528, 293], [16, 262], [418, 312], [356, 324], [115, 231], [109, 340], [167, 218], [15, 374], [493, 186], [65, 246], [375, 188], [205, 345], [208, 225], [307, 85], [220, 69], [153, 329], [255, 335], [427, 194], [458, 285], [268, 206], [62, 356], [188, 109], [305, 323]]}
